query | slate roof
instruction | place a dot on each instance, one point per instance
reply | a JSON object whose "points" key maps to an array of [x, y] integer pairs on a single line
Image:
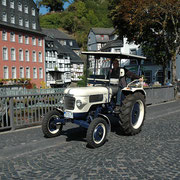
{"points": [[59, 35], [103, 31], [55, 33], [20, 14], [112, 44], [74, 58]]}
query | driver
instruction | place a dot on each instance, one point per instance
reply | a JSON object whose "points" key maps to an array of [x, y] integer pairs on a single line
{"points": [[115, 73]]}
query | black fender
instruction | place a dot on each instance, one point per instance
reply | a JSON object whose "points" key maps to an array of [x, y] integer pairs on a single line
{"points": [[60, 110], [107, 120]]}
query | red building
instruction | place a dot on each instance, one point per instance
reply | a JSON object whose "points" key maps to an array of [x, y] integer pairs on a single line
{"points": [[22, 46]]}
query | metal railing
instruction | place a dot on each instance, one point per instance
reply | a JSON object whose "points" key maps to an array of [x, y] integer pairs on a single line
{"points": [[27, 109]]}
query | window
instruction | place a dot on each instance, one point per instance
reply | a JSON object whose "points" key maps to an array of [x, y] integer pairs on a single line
{"points": [[34, 56], [70, 43], [21, 72], [27, 72], [12, 37], [12, 4], [6, 73], [4, 2], [40, 73], [33, 41], [19, 6], [35, 73], [13, 72], [20, 38], [26, 23], [33, 12], [27, 55], [4, 35], [5, 53], [13, 54], [40, 56], [159, 76], [26, 39], [4, 17], [12, 19], [39, 42], [20, 21], [26, 9], [33, 25], [20, 55]]}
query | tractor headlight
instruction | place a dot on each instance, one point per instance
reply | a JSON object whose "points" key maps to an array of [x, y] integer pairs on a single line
{"points": [[79, 103]]}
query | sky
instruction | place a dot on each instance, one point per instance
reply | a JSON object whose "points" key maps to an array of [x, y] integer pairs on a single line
{"points": [[44, 10]]}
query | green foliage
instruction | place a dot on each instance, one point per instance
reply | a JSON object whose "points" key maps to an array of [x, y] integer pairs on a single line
{"points": [[154, 24], [78, 18], [53, 5]]}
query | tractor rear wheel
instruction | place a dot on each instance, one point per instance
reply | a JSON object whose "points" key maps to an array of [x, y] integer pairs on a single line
{"points": [[132, 113]]}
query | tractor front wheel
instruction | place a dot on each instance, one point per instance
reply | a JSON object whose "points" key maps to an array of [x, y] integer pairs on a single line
{"points": [[97, 132], [50, 127]]}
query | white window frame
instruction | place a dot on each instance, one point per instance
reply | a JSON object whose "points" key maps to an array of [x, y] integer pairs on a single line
{"points": [[28, 72], [33, 25], [26, 10], [21, 72], [40, 73], [27, 55], [12, 4], [21, 57], [5, 74], [12, 19], [33, 12], [19, 6], [4, 2], [4, 17], [26, 39], [34, 56], [20, 38], [13, 72], [39, 42], [40, 57], [4, 35], [33, 41], [20, 21], [5, 53], [34, 73], [12, 37], [26, 23], [13, 54]]}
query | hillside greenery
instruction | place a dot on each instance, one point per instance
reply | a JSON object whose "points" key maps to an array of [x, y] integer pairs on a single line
{"points": [[78, 18]]}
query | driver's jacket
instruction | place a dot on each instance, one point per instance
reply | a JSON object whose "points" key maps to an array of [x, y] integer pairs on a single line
{"points": [[122, 80]]}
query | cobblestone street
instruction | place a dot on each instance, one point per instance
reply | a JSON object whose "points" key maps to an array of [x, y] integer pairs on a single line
{"points": [[152, 154]]}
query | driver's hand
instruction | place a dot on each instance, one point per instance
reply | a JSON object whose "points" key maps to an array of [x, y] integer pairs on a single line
{"points": [[141, 79]]}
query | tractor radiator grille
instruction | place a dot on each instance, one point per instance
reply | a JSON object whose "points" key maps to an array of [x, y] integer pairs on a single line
{"points": [[69, 102]]}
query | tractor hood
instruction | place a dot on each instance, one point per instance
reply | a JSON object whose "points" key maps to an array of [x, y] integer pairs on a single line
{"points": [[87, 91]]}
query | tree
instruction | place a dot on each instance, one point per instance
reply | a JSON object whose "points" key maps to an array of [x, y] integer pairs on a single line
{"points": [[53, 5], [140, 20]]}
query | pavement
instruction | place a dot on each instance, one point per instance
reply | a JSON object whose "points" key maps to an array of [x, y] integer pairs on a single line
{"points": [[152, 154]]}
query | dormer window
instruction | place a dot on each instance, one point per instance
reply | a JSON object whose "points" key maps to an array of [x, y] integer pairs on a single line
{"points": [[12, 19], [33, 25], [26, 9], [19, 6], [4, 3], [20, 21], [12, 4], [4, 17], [26, 23], [33, 12]]}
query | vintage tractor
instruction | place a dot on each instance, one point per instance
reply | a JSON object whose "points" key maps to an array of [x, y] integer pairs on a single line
{"points": [[91, 106]]}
